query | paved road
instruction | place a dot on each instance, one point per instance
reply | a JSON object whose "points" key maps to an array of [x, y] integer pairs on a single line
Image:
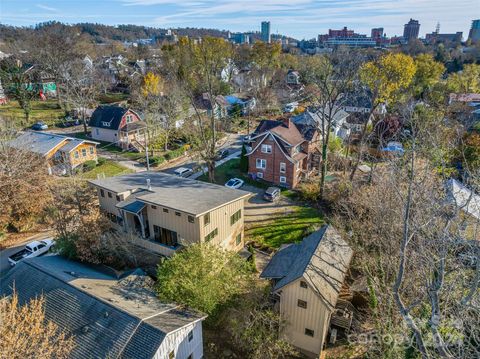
{"points": [[4, 254]]}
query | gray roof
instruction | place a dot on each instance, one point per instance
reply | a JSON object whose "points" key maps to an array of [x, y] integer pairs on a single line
{"points": [[183, 194], [43, 142], [321, 259], [313, 116], [108, 317]]}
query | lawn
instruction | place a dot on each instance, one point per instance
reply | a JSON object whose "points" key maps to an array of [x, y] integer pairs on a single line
{"points": [[46, 111], [287, 228], [109, 169]]}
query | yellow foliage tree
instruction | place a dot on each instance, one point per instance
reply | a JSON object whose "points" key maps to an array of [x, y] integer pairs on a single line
{"points": [[427, 73], [466, 81], [387, 76], [152, 85], [25, 333]]}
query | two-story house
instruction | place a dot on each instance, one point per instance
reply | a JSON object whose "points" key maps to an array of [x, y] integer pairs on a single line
{"points": [[118, 125], [62, 154], [307, 278], [282, 152], [168, 212]]}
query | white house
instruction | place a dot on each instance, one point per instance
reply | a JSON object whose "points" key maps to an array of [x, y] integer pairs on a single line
{"points": [[307, 278]]}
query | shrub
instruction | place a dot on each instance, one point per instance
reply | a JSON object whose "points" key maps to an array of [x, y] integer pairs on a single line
{"points": [[156, 160], [101, 160], [89, 165], [175, 153], [310, 190]]}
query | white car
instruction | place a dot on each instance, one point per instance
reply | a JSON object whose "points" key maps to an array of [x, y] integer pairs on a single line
{"points": [[183, 172], [31, 250], [234, 183]]}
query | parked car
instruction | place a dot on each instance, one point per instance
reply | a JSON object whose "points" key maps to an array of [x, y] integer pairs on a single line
{"points": [[222, 154], [40, 126], [234, 183], [289, 108], [183, 172], [272, 194], [32, 249]]}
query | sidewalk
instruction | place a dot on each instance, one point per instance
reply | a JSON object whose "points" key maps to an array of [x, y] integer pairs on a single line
{"points": [[218, 163]]}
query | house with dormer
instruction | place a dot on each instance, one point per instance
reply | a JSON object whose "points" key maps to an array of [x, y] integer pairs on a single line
{"points": [[283, 152]]}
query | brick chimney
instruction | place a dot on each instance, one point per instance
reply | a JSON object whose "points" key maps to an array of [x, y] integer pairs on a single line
{"points": [[286, 121]]}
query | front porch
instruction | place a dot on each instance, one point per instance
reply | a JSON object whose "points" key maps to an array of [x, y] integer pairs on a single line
{"points": [[133, 136]]}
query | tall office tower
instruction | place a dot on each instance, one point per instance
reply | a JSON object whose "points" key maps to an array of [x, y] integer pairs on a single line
{"points": [[266, 31], [474, 34], [411, 30], [377, 33]]}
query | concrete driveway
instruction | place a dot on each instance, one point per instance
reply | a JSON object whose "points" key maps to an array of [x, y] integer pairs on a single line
{"points": [[257, 209]]}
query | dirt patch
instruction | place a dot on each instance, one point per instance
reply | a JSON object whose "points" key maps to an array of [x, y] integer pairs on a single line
{"points": [[13, 239]]}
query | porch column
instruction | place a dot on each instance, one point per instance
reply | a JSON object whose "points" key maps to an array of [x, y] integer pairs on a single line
{"points": [[142, 226]]}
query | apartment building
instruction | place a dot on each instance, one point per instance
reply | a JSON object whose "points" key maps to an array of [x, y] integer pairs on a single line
{"points": [[169, 212]]}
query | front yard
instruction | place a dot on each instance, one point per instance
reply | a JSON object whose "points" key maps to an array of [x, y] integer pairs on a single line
{"points": [[109, 169]]}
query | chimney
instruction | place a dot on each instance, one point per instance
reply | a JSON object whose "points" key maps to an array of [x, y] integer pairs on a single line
{"points": [[287, 122], [149, 187]]}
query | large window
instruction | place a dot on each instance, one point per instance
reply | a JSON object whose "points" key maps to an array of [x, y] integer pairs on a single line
{"points": [[261, 163], [165, 236], [84, 152], [234, 218], [309, 332], [266, 149], [283, 167], [91, 150], [211, 235], [129, 118], [283, 179]]}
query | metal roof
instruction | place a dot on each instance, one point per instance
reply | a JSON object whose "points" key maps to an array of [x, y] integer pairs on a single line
{"points": [[464, 198], [183, 194]]}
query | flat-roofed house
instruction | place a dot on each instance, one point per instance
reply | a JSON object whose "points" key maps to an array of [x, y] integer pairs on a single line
{"points": [[169, 212], [307, 278], [108, 316], [62, 153]]}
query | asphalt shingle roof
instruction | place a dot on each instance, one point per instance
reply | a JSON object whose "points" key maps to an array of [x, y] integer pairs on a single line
{"points": [[107, 317], [321, 259], [183, 194], [107, 114]]}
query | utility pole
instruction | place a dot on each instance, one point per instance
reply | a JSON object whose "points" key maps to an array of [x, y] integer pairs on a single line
{"points": [[146, 150]]}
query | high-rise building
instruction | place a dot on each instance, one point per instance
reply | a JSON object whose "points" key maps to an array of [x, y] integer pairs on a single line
{"points": [[377, 33], [474, 34], [411, 30], [266, 31]]}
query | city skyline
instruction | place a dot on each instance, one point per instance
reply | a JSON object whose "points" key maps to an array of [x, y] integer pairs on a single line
{"points": [[301, 19]]}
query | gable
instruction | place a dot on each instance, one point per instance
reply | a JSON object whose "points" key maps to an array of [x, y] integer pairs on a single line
{"points": [[270, 139], [131, 116]]}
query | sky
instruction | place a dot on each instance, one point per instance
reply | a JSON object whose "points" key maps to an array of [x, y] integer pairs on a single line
{"points": [[297, 18]]}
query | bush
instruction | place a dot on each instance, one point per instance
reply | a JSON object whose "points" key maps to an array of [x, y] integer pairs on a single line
{"points": [[89, 165], [175, 153], [156, 160], [101, 160], [310, 190]]}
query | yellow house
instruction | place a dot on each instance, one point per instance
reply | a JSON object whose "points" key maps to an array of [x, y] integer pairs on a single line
{"points": [[62, 153], [307, 278], [169, 212]]}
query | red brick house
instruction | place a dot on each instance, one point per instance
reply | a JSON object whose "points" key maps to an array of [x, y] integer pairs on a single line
{"points": [[283, 152]]}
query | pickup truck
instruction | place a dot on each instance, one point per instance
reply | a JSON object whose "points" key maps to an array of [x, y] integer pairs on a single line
{"points": [[32, 249]]}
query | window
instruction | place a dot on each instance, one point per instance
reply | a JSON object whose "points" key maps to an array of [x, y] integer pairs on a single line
{"points": [[235, 217], [165, 210], [211, 235], [259, 174], [266, 149], [302, 304], [117, 197], [106, 124], [238, 240], [165, 236], [97, 131], [303, 284], [283, 167], [191, 219], [190, 335], [262, 164], [102, 193], [309, 332], [109, 194], [91, 150], [178, 214], [153, 207], [283, 179], [75, 154], [297, 149], [84, 152], [206, 219], [129, 118], [171, 355]]}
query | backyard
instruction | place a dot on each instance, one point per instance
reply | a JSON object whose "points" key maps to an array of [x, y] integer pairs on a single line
{"points": [[46, 111]]}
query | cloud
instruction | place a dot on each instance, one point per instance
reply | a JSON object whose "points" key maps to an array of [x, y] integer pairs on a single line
{"points": [[48, 8]]}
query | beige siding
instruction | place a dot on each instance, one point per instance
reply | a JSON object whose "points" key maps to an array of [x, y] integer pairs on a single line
{"points": [[220, 218], [316, 317], [103, 134], [106, 203], [179, 344]]}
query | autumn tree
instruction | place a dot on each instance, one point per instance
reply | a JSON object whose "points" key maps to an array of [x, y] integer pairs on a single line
{"points": [[428, 72], [386, 78], [22, 174], [26, 333], [465, 81]]}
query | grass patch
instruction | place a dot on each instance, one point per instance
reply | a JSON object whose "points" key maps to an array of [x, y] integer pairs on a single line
{"points": [[289, 228], [112, 97], [46, 111], [109, 168]]}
